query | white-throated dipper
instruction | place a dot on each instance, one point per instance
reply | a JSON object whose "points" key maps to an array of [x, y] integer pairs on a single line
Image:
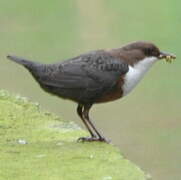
{"points": [[96, 77]]}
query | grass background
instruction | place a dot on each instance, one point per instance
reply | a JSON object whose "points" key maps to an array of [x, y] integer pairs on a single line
{"points": [[146, 125]]}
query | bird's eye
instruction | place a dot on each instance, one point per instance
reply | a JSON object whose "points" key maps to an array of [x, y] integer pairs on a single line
{"points": [[149, 51]]}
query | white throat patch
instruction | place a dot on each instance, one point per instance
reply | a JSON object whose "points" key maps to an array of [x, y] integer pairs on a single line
{"points": [[136, 73]]}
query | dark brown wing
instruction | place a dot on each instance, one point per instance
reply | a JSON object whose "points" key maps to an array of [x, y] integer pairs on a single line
{"points": [[84, 78]]}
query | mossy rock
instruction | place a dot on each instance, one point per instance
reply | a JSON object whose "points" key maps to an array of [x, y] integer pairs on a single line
{"points": [[37, 145]]}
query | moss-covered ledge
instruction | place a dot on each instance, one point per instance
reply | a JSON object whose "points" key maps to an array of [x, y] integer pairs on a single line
{"points": [[37, 145]]}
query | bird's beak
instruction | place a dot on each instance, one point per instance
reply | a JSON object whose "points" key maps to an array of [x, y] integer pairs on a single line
{"points": [[167, 56]]}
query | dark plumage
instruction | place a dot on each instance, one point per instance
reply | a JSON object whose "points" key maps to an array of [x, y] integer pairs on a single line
{"points": [[94, 77]]}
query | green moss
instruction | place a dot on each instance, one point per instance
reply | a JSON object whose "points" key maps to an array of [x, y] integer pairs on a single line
{"points": [[39, 145]]}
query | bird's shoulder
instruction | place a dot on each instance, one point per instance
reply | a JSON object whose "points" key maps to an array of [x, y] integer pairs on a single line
{"points": [[99, 60]]}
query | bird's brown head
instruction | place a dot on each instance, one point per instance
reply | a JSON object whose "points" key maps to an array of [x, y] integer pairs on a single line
{"points": [[140, 50]]}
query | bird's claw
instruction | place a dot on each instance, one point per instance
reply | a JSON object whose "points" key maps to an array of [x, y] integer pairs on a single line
{"points": [[91, 139]]}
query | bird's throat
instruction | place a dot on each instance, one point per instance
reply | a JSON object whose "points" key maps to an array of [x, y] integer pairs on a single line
{"points": [[136, 73]]}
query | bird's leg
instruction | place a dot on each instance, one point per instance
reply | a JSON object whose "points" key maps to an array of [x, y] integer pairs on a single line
{"points": [[86, 115], [80, 113]]}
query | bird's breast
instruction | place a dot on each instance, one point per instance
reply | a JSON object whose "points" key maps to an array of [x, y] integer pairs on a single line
{"points": [[131, 79]]}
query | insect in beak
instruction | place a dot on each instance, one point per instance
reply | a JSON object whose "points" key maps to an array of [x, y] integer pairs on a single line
{"points": [[167, 56]]}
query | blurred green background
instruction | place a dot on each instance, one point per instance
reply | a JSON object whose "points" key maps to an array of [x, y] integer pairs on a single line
{"points": [[149, 132]]}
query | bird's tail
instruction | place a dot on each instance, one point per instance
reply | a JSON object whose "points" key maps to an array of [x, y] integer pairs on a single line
{"points": [[26, 63], [34, 68]]}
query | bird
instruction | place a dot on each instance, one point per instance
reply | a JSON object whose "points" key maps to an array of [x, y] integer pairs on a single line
{"points": [[95, 77]]}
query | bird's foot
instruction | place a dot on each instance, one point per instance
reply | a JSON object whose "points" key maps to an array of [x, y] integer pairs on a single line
{"points": [[91, 139]]}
